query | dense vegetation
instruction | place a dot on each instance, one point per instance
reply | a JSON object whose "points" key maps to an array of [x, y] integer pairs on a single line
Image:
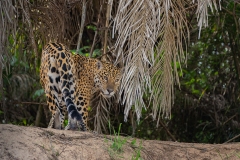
{"points": [[206, 104]]}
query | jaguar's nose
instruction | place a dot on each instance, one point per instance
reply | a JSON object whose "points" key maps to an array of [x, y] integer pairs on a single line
{"points": [[110, 90]]}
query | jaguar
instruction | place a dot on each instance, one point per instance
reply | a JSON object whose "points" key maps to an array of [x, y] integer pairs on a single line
{"points": [[70, 80]]}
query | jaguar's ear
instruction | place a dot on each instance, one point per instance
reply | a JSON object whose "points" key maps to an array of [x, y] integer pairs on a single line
{"points": [[99, 65]]}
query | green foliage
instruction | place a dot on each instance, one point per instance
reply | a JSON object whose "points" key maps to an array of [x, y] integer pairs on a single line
{"points": [[205, 136], [20, 80], [117, 145], [65, 122], [23, 122], [137, 154], [206, 106], [118, 142], [133, 143], [38, 93], [238, 155], [92, 27], [85, 51]]}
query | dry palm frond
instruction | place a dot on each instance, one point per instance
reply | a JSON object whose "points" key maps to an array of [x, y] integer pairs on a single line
{"points": [[56, 20], [101, 112], [202, 12], [8, 24], [151, 36], [173, 34], [20, 85], [137, 23]]}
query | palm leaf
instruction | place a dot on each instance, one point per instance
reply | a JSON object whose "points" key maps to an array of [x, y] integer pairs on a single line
{"points": [[151, 36]]}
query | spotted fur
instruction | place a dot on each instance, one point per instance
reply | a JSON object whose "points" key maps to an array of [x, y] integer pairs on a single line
{"points": [[69, 82]]}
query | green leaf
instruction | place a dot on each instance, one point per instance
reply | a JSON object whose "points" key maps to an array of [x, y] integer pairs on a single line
{"points": [[94, 28], [38, 93], [24, 122]]}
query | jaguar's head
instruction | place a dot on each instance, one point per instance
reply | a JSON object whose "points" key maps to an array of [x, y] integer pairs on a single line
{"points": [[108, 79]]}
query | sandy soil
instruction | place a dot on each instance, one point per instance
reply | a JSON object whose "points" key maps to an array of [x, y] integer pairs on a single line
{"points": [[32, 143]]}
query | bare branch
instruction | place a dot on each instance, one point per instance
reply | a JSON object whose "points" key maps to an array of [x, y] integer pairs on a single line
{"points": [[109, 8], [26, 12], [84, 6], [96, 32]]}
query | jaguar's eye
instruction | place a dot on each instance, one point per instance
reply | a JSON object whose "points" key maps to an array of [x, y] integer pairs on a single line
{"points": [[116, 80], [106, 78]]}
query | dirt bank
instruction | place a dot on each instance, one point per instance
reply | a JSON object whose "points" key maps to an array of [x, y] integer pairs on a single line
{"points": [[21, 143]]}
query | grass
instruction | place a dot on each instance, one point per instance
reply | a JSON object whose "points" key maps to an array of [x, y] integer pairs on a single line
{"points": [[137, 154], [118, 143]]}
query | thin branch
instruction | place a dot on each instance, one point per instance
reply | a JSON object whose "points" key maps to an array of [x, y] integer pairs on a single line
{"points": [[37, 103], [168, 132], [232, 139], [45, 104], [230, 119], [106, 31], [229, 12], [96, 32], [84, 6]]}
